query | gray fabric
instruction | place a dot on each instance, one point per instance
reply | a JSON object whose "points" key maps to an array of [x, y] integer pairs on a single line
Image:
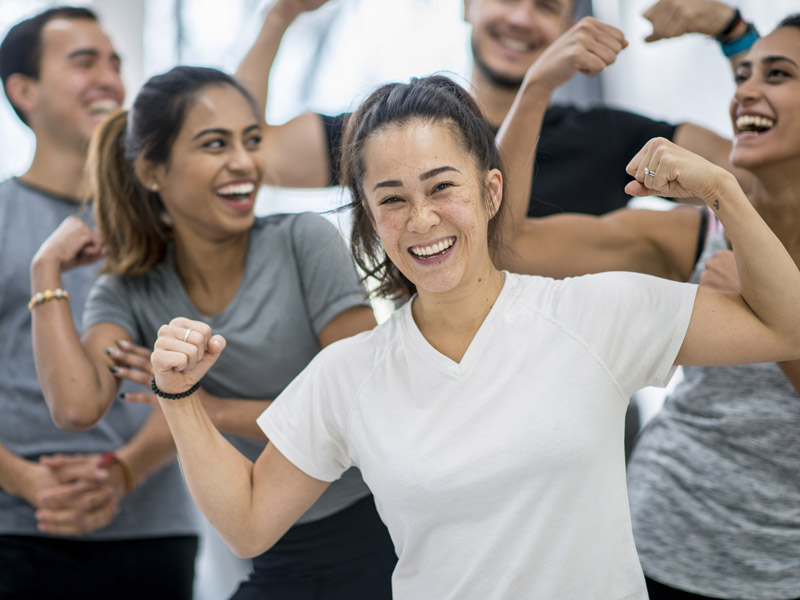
{"points": [[160, 506], [298, 275], [714, 484]]}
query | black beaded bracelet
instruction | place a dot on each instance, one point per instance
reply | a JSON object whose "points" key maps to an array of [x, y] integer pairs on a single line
{"points": [[166, 396]]}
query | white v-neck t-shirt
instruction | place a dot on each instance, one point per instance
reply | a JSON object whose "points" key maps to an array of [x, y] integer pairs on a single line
{"points": [[502, 476]]}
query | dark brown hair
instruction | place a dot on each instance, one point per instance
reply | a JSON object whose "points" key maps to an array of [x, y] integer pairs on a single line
{"points": [[130, 218], [434, 99]]}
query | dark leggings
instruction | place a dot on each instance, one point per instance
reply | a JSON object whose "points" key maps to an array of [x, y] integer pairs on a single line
{"points": [[345, 556], [659, 591], [34, 567]]}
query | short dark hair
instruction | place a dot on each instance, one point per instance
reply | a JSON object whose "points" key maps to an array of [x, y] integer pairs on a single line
{"points": [[435, 99], [21, 50], [130, 217]]}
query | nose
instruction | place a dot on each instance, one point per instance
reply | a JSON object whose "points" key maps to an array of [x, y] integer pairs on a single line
{"points": [[240, 159], [521, 14], [108, 76], [423, 218], [748, 91]]}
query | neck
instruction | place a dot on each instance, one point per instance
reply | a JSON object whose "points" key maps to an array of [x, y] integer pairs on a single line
{"points": [[451, 319], [494, 100], [210, 270], [776, 196], [59, 171]]}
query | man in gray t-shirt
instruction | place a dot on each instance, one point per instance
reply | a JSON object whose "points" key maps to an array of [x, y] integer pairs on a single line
{"points": [[100, 519]]}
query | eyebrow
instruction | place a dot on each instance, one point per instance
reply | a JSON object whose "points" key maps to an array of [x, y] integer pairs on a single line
{"points": [[426, 175], [767, 60], [90, 52], [225, 132]]}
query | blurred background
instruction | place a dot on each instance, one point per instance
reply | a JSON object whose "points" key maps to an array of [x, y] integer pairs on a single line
{"points": [[332, 58]]}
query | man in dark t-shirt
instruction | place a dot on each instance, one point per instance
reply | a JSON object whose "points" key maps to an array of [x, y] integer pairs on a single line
{"points": [[581, 154]]}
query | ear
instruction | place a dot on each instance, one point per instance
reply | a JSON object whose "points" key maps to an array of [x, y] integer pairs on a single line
{"points": [[150, 174], [22, 92], [494, 184]]}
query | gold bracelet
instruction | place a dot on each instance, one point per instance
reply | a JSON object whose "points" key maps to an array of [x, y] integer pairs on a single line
{"points": [[42, 297]]}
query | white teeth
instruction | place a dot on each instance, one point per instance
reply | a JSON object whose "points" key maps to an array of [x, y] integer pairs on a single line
{"points": [[236, 189], [515, 44], [103, 106], [439, 246], [754, 123]]}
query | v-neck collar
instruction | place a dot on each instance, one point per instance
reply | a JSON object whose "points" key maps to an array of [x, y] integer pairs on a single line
{"points": [[445, 363]]}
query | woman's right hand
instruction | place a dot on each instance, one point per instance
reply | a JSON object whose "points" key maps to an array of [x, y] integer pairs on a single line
{"points": [[184, 352], [72, 244], [673, 18]]}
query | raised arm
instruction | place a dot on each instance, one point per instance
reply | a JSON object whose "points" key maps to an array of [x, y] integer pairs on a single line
{"points": [[673, 18], [74, 374], [588, 47], [296, 151], [761, 324], [233, 415], [251, 506]]}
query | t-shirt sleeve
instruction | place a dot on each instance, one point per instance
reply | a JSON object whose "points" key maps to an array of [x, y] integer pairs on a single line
{"points": [[635, 131], [334, 129], [307, 423], [329, 278], [635, 324], [109, 302]]}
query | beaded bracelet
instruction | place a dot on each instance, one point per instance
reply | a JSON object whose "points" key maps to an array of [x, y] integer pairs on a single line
{"points": [[112, 458], [41, 297], [167, 396]]}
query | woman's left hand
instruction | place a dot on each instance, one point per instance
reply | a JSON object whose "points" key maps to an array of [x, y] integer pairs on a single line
{"points": [[132, 362], [662, 168]]}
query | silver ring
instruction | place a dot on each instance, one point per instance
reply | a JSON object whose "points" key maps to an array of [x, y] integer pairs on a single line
{"points": [[186, 337], [649, 172]]}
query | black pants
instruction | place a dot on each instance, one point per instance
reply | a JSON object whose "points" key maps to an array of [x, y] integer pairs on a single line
{"points": [[659, 591], [346, 556], [57, 569]]}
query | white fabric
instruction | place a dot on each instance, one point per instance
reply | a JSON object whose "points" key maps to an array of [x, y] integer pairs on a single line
{"points": [[502, 476]]}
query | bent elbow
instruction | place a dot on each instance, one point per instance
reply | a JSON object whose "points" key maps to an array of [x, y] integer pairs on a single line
{"points": [[75, 421]]}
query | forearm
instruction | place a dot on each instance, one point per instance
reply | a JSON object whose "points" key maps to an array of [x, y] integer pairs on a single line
{"points": [[12, 470], [253, 72], [69, 380], [238, 417], [150, 449], [769, 278], [517, 141], [219, 478]]}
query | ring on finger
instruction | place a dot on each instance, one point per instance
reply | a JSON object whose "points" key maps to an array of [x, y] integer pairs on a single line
{"points": [[647, 172], [188, 333]]}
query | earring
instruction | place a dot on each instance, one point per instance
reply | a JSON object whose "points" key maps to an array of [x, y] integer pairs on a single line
{"points": [[153, 187]]}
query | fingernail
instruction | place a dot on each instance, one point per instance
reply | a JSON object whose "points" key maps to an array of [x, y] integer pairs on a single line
{"points": [[123, 343], [110, 351], [123, 396], [114, 369]]}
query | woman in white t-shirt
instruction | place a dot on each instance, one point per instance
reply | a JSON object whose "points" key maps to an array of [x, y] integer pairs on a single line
{"points": [[487, 413]]}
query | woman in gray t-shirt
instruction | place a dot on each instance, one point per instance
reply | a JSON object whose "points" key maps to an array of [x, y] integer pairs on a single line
{"points": [[175, 183]]}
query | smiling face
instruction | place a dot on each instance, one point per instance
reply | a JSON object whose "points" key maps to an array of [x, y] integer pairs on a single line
{"points": [[509, 35], [79, 82], [215, 166], [429, 205], [766, 106]]}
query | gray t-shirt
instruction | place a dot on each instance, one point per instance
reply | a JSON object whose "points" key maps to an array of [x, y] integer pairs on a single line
{"points": [[714, 482], [161, 505], [298, 276]]}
